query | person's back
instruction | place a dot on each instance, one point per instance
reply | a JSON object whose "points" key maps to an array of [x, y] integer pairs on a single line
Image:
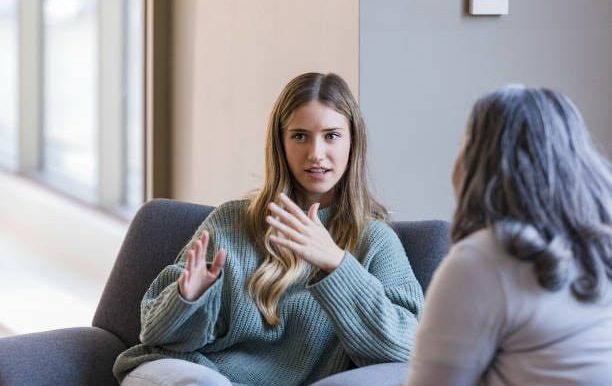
{"points": [[525, 295], [536, 337]]}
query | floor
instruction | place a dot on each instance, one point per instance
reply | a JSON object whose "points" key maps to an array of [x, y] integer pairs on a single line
{"points": [[55, 256]]}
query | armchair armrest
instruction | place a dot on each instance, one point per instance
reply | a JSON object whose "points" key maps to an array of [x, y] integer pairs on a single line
{"points": [[71, 356]]}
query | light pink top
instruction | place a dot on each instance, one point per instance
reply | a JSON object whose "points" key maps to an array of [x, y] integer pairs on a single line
{"points": [[487, 321]]}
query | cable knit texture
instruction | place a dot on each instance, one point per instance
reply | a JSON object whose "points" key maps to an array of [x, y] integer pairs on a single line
{"points": [[364, 312]]}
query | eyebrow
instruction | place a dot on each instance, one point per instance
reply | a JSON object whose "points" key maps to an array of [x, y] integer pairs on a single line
{"points": [[324, 130]]}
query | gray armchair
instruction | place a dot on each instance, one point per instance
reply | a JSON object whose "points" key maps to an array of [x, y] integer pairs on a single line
{"points": [[85, 355]]}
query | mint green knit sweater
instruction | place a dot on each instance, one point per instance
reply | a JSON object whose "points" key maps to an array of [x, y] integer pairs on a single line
{"points": [[364, 312]]}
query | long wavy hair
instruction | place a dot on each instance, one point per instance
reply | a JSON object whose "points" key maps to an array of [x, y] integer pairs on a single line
{"points": [[530, 171], [353, 204]]}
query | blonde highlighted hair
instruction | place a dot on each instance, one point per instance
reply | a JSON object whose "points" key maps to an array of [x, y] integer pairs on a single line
{"points": [[354, 205]]}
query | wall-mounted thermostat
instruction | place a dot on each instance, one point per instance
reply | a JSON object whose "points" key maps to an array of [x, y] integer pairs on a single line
{"points": [[489, 7]]}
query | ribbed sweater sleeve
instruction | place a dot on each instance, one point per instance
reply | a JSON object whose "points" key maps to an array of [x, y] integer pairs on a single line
{"points": [[375, 309], [170, 321]]}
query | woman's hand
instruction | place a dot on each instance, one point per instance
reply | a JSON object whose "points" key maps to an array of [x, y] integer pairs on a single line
{"points": [[304, 235], [197, 277]]}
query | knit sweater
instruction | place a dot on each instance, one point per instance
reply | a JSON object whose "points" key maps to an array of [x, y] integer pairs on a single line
{"points": [[364, 312]]}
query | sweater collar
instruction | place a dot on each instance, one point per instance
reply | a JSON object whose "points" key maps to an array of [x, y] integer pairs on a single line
{"points": [[323, 213]]}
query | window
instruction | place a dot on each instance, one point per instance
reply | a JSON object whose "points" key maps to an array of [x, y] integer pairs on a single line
{"points": [[8, 80], [135, 132], [70, 62], [78, 125]]}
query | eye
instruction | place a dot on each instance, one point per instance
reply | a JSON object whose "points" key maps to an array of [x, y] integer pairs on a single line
{"points": [[333, 135], [298, 137]]}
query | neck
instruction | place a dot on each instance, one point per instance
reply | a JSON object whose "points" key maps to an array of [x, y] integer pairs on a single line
{"points": [[305, 200]]}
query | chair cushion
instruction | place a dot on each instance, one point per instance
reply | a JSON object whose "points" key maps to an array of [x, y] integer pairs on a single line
{"points": [[156, 235]]}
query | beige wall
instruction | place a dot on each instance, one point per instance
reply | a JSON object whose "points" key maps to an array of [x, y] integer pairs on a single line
{"points": [[231, 58]]}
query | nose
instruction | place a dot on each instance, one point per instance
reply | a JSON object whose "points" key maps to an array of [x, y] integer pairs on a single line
{"points": [[316, 150]]}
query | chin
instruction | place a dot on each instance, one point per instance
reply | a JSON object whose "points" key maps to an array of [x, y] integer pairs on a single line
{"points": [[317, 190]]}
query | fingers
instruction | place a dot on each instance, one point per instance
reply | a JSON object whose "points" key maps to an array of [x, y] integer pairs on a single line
{"points": [[286, 217], [196, 257], [196, 277], [199, 249], [312, 212], [200, 245], [285, 229], [292, 216], [204, 237], [190, 264], [183, 278], [293, 208], [218, 262], [295, 247]]}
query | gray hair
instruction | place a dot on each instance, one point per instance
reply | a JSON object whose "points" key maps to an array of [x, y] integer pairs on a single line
{"points": [[530, 171]]}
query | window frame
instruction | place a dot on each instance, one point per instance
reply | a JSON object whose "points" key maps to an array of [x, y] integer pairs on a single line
{"points": [[112, 18]]}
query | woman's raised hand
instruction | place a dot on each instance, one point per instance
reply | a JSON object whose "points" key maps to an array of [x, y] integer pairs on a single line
{"points": [[304, 234], [196, 276]]}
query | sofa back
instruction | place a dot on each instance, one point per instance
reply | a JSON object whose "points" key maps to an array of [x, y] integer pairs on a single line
{"points": [[162, 227]]}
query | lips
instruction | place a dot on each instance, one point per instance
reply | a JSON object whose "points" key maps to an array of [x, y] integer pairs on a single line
{"points": [[317, 171]]}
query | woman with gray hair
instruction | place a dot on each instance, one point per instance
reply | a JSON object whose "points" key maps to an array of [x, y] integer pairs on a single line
{"points": [[525, 295]]}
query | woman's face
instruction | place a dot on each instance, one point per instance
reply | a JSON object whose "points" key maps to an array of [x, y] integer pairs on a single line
{"points": [[317, 142]]}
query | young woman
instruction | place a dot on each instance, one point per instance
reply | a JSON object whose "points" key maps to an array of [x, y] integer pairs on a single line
{"points": [[525, 295], [306, 279]]}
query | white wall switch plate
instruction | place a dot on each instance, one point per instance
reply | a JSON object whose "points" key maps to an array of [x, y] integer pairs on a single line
{"points": [[489, 7]]}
